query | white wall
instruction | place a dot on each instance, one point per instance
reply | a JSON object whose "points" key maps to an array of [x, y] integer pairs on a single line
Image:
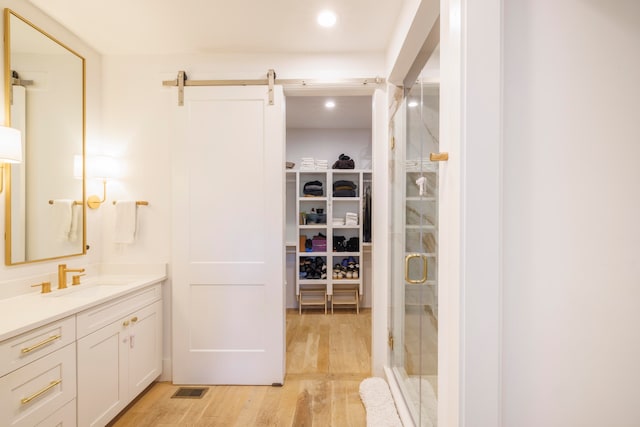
{"points": [[571, 347], [93, 129], [328, 144]]}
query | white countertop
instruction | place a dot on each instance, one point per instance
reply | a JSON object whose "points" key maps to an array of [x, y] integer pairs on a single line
{"points": [[24, 312]]}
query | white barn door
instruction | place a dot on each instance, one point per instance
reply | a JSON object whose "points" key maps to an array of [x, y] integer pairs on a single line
{"points": [[228, 237]]}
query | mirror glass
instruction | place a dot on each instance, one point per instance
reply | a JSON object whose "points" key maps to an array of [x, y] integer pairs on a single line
{"points": [[44, 87]]}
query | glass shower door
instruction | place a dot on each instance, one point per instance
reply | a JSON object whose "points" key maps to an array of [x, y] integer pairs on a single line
{"points": [[414, 310]]}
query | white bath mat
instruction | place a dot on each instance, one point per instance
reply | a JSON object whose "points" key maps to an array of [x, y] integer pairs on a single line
{"points": [[378, 403]]}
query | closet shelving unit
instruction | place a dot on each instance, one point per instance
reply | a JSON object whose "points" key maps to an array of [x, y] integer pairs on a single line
{"points": [[326, 290]]}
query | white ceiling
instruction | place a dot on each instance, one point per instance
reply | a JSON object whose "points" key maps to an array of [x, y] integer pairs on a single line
{"points": [[163, 27], [350, 112], [224, 26]]}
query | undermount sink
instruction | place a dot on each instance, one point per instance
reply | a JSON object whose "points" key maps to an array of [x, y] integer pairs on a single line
{"points": [[86, 291]]}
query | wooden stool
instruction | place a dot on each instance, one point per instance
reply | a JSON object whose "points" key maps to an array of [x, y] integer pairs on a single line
{"points": [[346, 297], [312, 296]]}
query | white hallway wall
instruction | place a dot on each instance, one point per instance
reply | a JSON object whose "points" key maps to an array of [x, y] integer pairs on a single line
{"points": [[571, 213]]}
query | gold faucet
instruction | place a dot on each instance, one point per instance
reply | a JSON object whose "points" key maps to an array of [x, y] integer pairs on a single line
{"points": [[46, 287], [75, 279], [62, 274]]}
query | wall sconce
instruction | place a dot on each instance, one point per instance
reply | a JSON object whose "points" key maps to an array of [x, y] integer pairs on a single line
{"points": [[10, 149], [99, 168]]}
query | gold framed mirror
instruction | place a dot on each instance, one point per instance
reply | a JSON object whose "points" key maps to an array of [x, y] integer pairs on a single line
{"points": [[45, 214]]}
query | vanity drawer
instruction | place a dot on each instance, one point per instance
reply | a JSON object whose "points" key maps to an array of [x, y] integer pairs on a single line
{"points": [[25, 348], [95, 318], [63, 417], [37, 390]]}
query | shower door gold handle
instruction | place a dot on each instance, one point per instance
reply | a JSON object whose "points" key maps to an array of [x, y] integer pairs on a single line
{"points": [[408, 279], [439, 157]]}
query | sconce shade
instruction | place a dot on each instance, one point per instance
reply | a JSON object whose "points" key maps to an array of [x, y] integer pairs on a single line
{"points": [[100, 167], [10, 145]]}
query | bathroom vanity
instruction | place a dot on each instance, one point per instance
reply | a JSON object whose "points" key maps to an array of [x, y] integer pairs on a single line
{"points": [[78, 356]]}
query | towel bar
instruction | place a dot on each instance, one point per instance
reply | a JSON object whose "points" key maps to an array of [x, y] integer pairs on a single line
{"points": [[75, 202], [138, 202]]}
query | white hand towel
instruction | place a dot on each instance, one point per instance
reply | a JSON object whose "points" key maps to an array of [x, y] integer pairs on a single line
{"points": [[76, 211], [126, 219], [62, 218]]}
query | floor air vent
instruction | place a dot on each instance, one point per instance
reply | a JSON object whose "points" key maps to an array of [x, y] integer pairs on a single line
{"points": [[189, 393]]}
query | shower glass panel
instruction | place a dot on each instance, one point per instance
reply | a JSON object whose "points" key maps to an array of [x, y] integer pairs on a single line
{"points": [[414, 235]]}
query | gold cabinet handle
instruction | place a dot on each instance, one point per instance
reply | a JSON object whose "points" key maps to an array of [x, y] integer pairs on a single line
{"points": [[51, 385], [40, 344], [424, 269], [134, 319], [439, 157], [125, 323]]}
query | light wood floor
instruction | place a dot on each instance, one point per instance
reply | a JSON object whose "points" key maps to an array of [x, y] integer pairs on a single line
{"points": [[327, 358]]}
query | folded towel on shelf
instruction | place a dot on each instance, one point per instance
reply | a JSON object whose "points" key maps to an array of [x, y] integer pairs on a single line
{"points": [[322, 164], [351, 218], [307, 164], [62, 216], [126, 221]]}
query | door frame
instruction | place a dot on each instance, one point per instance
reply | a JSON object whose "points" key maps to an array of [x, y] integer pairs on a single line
{"points": [[471, 90], [380, 207], [470, 315], [480, 291]]}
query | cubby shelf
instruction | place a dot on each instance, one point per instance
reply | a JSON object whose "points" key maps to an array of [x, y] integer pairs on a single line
{"points": [[325, 208]]}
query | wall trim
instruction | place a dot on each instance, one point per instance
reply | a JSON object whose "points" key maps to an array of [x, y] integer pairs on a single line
{"points": [[481, 134]]}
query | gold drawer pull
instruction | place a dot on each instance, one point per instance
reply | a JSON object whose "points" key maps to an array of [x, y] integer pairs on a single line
{"points": [[134, 319], [125, 323], [51, 385], [40, 344]]}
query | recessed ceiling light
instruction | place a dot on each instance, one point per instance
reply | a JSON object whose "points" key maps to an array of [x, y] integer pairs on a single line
{"points": [[327, 18], [329, 104], [412, 104]]}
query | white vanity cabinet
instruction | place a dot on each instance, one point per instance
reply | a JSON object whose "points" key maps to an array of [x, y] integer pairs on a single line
{"points": [[38, 376], [119, 352], [79, 356]]}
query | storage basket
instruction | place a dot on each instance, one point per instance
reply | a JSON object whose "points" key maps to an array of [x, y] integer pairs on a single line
{"points": [[319, 244]]}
